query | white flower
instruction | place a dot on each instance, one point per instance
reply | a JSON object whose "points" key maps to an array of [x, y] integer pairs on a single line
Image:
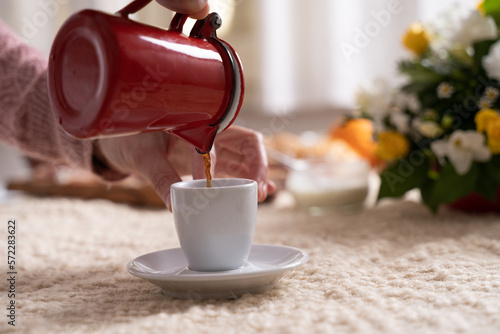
{"points": [[489, 97], [491, 62], [400, 120], [484, 103], [461, 148], [407, 101], [445, 90], [428, 129], [460, 26], [474, 27], [491, 93], [375, 99]]}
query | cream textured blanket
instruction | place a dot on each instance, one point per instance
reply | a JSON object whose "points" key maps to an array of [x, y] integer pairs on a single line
{"points": [[392, 269]]}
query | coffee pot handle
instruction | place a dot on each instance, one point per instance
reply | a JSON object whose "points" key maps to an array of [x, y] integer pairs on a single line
{"points": [[204, 28], [175, 25], [178, 22]]}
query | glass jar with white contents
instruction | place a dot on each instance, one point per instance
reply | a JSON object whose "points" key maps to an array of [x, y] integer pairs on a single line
{"points": [[322, 186]]}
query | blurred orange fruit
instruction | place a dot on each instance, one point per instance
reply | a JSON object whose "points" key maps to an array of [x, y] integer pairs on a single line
{"points": [[358, 133]]}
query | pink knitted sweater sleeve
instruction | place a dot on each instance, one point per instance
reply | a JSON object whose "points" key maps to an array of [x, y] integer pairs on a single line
{"points": [[26, 118]]}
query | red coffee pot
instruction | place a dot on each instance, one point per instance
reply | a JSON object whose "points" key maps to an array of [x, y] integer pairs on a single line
{"points": [[109, 75]]}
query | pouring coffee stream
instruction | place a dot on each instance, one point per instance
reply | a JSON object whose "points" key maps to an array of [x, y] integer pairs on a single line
{"points": [[110, 76], [207, 165]]}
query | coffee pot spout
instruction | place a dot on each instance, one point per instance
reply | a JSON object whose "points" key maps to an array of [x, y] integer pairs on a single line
{"points": [[201, 137]]}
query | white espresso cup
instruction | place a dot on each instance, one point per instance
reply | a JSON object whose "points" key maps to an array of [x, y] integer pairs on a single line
{"points": [[215, 225]]}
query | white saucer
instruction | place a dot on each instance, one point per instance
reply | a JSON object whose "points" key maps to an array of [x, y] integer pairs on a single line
{"points": [[168, 270]]}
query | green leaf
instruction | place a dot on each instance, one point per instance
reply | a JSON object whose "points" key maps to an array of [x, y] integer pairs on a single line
{"points": [[418, 86], [419, 72], [449, 186], [402, 177], [493, 168], [485, 184], [481, 49], [426, 191], [492, 8]]}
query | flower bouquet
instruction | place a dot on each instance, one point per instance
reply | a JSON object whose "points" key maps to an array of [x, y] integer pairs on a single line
{"points": [[440, 130]]}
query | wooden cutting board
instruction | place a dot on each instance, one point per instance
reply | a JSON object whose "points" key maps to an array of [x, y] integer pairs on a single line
{"points": [[127, 192]]}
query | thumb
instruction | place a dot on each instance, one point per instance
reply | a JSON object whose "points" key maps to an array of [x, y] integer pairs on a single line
{"points": [[197, 9]]}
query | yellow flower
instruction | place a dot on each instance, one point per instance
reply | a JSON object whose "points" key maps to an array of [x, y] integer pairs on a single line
{"points": [[416, 39], [485, 117], [392, 145], [488, 120], [480, 8], [493, 132]]}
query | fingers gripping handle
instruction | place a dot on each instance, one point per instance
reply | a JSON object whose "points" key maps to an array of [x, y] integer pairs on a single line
{"points": [[133, 7]]}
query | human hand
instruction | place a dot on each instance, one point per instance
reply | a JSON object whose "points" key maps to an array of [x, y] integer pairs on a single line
{"points": [[162, 159], [240, 152], [197, 9]]}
